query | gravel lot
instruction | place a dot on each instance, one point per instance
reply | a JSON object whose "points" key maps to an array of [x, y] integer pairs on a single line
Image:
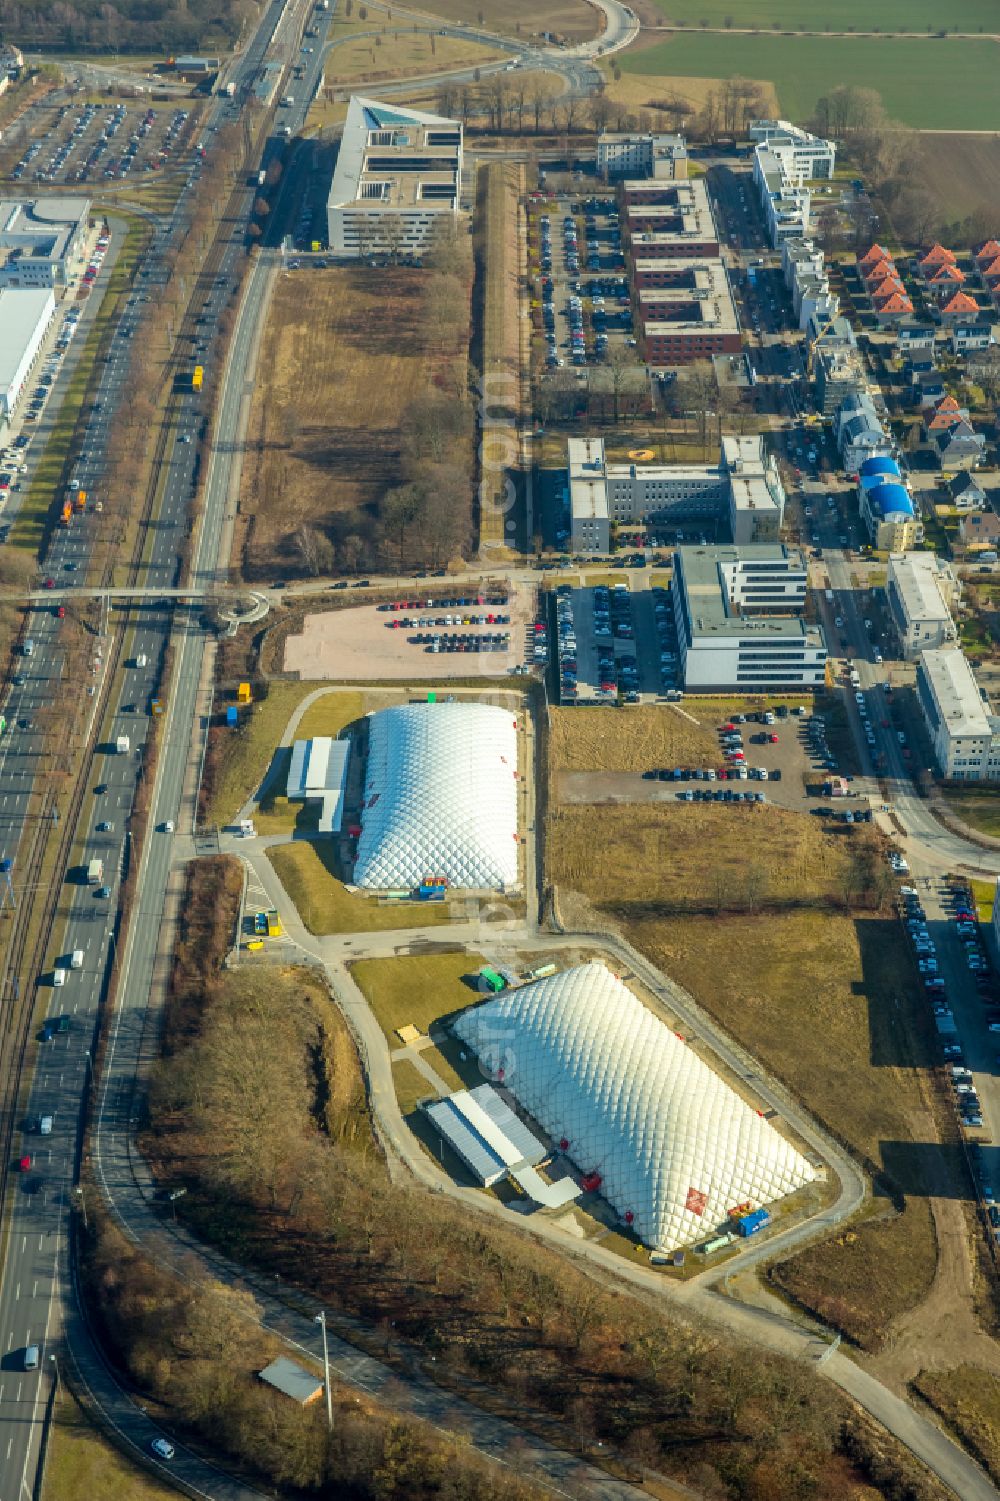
{"points": [[358, 645]]}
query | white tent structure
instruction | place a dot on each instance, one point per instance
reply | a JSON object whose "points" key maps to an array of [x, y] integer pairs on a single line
{"points": [[440, 798], [675, 1147]]}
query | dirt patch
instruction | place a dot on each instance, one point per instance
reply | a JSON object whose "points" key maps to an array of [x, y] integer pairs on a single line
{"points": [[962, 171], [629, 740]]}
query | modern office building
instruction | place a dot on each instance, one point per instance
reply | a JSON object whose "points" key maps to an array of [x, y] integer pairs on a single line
{"points": [[24, 319], [685, 312], [398, 175], [742, 494], [41, 240], [920, 590], [800, 153], [963, 730], [740, 622], [667, 220], [641, 154]]}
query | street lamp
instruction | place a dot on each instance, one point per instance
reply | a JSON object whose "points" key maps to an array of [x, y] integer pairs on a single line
{"points": [[321, 1321]]}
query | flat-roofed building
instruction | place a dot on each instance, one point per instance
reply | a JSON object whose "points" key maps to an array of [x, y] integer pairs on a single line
{"points": [[638, 154], [398, 177], [690, 318], [25, 316], [920, 590], [41, 239], [963, 730], [674, 219], [801, 153], [741, 493], [317, 773], [739, 619]]}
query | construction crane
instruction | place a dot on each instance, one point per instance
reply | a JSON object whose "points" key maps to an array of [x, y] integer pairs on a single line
{"points": [[825, 329]]}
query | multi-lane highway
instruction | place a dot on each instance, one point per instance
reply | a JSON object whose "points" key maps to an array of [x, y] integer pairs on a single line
{"points": [[45, 1190]]}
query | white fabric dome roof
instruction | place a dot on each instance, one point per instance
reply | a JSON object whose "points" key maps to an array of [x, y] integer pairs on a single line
{"points": [[440, 797], [673, 1143]]}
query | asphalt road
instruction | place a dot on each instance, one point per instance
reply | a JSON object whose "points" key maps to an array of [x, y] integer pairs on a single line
{"points": [[45, 1192]]}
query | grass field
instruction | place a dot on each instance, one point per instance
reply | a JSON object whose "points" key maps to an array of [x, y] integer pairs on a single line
{"points": [[968, 1399], [417, 989], [401, 54], [845, 15], [663, 859], [343, 357], [648, 735], [410, 1085], [307, 873], [247, 752], [83, 1463], [642, 91], [931, 85], [572, 19], [828, 1003], [979, 808]]}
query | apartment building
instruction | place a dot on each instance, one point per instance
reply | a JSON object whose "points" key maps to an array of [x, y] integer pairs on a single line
{"points": [[920, 590], [886, 507], [962, 728], [800, 153]]}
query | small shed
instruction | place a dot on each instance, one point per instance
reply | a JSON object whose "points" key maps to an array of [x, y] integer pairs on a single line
{"points": [[293, 1380], [317, 772]]}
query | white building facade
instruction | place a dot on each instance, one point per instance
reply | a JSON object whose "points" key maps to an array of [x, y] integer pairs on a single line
{"points": [[398, 177], [641, 154], [41, 240], [25, 317], [739, 619], [920, 590], [963, 730]]}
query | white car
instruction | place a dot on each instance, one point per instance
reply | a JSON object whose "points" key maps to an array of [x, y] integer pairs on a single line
{"points": [[839, 622], [859, 697], [162, 1448]]}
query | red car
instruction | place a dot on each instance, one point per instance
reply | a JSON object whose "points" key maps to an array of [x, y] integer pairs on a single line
{"points": [[773, 739], [61, 612], [49, 584], [25, 1163]]}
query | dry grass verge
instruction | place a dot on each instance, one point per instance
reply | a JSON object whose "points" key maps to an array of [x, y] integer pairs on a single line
{"points": [[968, 1399], [632, 740]]}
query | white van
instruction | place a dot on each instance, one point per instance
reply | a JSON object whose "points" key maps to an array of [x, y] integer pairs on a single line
{"points": [[59, 977], [76, 959]]}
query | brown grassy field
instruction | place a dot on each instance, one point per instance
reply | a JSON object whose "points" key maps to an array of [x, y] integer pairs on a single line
{"points": [[962, 171], [497, 255], [572, 19], [641, 91], [401, 54], [648, 735], [81, 1462], [344, 354], [696, 859], [968, 1398]]}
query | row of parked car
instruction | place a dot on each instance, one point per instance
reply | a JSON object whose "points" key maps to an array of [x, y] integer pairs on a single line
{"points": [[962, 913], [566, 645], [461, 602], [731, 773], [435, 643], [407, 622], [720, 795]]}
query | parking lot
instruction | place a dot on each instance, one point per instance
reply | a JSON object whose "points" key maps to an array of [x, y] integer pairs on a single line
{"points": [[582, 309], [612, 641], [91, 143], [450, 636]]}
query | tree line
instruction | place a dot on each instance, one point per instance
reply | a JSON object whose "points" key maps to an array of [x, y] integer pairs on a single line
{"points": [[167, 26], [260, 1112]]}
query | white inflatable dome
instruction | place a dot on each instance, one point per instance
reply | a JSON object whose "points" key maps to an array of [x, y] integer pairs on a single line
{"points": [[440, 798], [674, 1145]]}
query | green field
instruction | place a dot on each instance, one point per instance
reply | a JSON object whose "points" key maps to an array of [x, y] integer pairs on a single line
{"points": [[931, 85], [844, 15]]}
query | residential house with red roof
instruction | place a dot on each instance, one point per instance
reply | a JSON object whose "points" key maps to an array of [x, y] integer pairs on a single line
{"points": [[935, 257]]}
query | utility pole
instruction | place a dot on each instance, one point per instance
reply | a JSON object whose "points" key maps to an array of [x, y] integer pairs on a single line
{"points": [[321, 1321]]}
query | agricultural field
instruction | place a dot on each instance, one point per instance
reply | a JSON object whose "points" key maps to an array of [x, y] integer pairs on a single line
{"points": [[928, 84], [351, 355], [844, 15], [961, 171]]}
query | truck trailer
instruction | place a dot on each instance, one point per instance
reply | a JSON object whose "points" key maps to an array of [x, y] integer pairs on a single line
{"points": [[95, 872]]}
